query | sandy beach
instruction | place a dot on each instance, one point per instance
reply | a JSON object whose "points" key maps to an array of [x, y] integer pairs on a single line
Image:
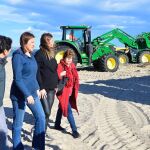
{"points": [[114, 112]]}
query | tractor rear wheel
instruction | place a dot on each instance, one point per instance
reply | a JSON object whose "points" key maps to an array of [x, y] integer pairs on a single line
{"points": [[108, 63], [144, 57], [123, 58], [60, 50]]}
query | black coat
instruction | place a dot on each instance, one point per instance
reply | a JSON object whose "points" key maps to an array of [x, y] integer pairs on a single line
{"points": [[2, 80], [47, 71]]}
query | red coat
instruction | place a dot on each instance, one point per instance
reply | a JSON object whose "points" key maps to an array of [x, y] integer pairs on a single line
{"points": [[73, 81]]}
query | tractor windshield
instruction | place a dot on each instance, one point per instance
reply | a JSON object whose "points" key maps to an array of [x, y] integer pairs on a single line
{"points": [[76, 35]]}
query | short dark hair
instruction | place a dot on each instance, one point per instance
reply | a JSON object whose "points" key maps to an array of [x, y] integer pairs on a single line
{"points": [[25, 37], [5, 43], [68, 53]]}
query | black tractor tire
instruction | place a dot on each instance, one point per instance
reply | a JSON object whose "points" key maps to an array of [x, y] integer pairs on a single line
{"points": [[144, 57], [123, 58], [108, 63], [96, 64], [60, 49]]}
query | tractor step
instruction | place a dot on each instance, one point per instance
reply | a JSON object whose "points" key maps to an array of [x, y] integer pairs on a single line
{"points": [[85, 61]]}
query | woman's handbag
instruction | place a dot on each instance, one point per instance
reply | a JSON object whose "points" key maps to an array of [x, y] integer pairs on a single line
{"points": [[61, 85]]}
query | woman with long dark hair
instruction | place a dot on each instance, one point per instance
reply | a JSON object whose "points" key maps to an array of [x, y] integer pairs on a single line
{"points": [[47, 73]]}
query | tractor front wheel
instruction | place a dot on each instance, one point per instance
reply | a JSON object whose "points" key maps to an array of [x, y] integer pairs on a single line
{"points": [[144, 57], [107, 63], [123, 59]]}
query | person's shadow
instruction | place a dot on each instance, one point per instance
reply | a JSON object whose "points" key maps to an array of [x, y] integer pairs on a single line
{"points": [[26, 135], [29, 119], [135, 89], [3, 141], [54, 147]]}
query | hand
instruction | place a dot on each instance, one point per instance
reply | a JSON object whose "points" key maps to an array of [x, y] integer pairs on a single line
{"points": [[56, 89], [43, 94], [30, 100], [39, 94], [63, 73]]}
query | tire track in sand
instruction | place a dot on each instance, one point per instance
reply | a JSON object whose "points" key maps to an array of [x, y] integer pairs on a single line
{"points": [[114, 125]]}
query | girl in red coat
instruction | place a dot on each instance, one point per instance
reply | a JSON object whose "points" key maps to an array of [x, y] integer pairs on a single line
{"points": [[67, 99]]}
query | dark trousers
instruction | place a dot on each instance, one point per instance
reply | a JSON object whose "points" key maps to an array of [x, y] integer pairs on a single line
{"points": [[69, 117], [47, 104]]}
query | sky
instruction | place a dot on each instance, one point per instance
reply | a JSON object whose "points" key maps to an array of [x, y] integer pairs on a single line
{"points": [[39, 16]]}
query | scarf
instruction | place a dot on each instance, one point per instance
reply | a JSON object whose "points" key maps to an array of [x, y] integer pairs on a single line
{"points": [[71, 74]]}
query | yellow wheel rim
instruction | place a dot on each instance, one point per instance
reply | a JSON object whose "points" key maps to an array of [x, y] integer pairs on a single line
{"points": [[59, 56], [146, 58], [122, 60], [111, 63]]}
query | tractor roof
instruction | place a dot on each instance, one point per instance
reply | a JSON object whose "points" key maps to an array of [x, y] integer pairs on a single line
{"points": [[75, 27]]}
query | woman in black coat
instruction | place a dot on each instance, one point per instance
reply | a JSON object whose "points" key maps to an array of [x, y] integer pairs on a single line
{"points": [[47, 73]]}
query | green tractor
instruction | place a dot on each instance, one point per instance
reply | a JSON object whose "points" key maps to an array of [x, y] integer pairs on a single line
{"points": [[78, 38], [136, 49]]}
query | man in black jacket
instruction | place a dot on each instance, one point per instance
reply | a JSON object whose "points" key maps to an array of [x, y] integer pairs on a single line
{"points": [[5, 46]]}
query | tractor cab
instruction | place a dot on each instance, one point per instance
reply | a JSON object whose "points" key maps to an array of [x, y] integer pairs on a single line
{"points": [[80, 35]]}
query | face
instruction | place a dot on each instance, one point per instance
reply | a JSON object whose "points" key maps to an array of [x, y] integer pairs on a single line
{"points": [[50, 42], [6, 52], [30, 45], [68, 61]]}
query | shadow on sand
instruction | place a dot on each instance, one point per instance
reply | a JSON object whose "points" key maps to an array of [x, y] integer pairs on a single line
{"points": [[135, 89], [26, 135]]}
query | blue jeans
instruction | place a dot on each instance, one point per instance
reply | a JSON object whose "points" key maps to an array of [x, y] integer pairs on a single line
{"points": [[3, 130], [69, 117], [38, 141]]}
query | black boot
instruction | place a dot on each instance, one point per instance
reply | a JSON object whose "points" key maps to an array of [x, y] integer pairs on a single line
{"points": [[75, 134]]}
